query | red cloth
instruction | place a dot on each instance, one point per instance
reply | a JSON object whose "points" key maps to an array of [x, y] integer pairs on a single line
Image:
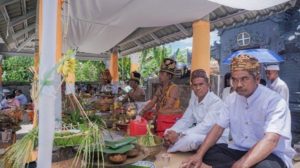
{"points": [[165, 121], [149, 115]]}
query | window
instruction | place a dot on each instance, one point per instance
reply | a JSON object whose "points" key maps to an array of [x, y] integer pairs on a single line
{"points": [[243, 39]]}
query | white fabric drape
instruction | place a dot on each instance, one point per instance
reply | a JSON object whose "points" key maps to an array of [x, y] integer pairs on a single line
{"points": [[250, 5], [95, 26]]}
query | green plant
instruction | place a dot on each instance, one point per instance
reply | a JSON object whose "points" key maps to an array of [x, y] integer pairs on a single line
{"points": [[151, 60], [73, 118], [88, 151], [124, 64], [89, 70], [148, 139], [181, 56], [16, 68]]}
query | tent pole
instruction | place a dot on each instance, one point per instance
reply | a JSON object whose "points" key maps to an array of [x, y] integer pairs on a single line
{"points": [[201, 45]]}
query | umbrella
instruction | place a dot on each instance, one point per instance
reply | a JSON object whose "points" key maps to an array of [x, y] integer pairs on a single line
{"points": [[263, 55]]}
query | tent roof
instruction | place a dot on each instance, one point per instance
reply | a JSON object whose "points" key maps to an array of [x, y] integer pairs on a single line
{"points": [[86, 27]]}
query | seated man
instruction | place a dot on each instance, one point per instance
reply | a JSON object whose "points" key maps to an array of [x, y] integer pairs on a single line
{"points": [[136, 93], [275, 83], [21, 97], [166, 98], [260, 123], [3, 102], [10, 103], [202, 113], [105, 82]]}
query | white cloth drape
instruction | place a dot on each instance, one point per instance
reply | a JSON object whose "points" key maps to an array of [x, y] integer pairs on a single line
{"points": [[250, 5], [95, 26]]}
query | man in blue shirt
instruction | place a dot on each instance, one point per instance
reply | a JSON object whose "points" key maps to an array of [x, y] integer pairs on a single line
{"points": [[21, 97]]}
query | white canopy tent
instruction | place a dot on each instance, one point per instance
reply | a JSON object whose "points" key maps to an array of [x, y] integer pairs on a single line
{"points": [[96, 26]]}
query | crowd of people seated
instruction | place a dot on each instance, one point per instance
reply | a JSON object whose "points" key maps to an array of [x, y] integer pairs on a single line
{"points": [[253, 114], [13, 100]]}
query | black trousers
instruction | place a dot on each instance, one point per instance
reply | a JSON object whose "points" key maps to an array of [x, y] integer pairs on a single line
{"points": [[220, 156]]}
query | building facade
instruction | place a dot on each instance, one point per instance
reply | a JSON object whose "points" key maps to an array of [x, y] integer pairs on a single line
{"points": [[279, 33]]}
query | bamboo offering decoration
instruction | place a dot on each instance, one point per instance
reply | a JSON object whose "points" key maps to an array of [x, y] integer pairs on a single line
{"points": [[89, 137], [21, 152], [148, 139], [87, 152]]}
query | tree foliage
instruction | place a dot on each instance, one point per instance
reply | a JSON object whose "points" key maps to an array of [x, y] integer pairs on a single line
{"points": [[88, 71], [16, 69], [151, 60], [181, 55], [124, 65]]}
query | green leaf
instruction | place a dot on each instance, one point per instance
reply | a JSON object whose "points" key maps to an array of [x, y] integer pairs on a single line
{"points": [[122, 149], [119, 143]]}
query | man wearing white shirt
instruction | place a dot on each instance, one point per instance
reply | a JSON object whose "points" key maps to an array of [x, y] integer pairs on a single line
{"points": [[260, 124], [275, 83], [202, 113]]}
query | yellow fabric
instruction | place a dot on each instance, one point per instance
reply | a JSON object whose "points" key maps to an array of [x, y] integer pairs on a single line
{"points": [[166, 97], [58, 31], [201, 46], [177, 102], [114, 67], [71, 78]]}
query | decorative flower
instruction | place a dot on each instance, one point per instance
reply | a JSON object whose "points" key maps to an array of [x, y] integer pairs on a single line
{"points": [[67, 64]]}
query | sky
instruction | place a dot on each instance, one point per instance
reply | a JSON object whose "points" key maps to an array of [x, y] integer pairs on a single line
{"points": [[187, 43]]}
